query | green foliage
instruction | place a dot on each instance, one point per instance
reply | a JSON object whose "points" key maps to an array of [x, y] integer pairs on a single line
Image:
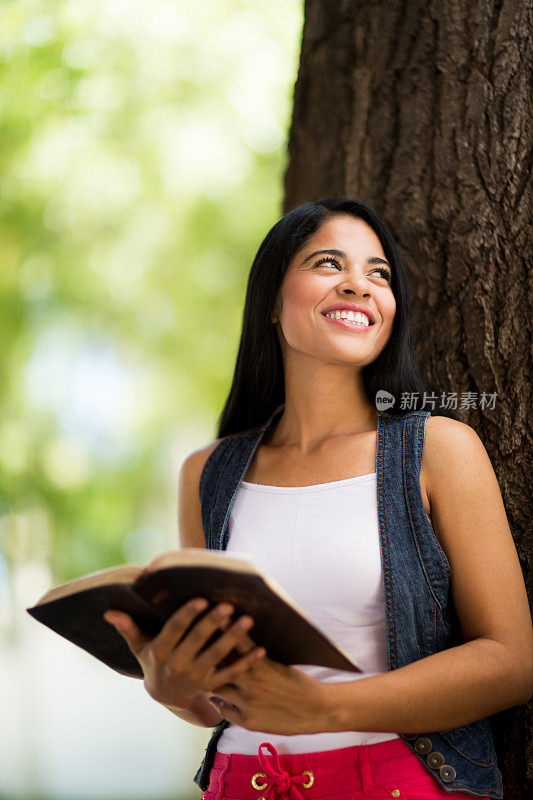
{"points": [[143, 149]]}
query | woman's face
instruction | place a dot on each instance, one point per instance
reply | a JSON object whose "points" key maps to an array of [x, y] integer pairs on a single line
{"points": [[314, 282]]}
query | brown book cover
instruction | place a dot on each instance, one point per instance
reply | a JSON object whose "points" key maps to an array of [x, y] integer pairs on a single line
{"points": [[74, 610]]}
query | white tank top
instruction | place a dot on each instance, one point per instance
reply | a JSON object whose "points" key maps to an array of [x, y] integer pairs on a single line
{"points": [[321, 544]]}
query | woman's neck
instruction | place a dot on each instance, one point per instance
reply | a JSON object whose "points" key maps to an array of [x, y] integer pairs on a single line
{"points": [[306, 425]]}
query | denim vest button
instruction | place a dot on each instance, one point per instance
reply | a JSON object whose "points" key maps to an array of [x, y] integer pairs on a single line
{"points": [[435, 760], [423, 746], [447, 773], [410, 735]]}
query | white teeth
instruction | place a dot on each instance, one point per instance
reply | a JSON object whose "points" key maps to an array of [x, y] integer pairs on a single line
{"points": [[349, 316]]}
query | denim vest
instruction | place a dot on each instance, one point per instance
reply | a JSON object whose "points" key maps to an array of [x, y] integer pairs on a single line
{"points": [[420, 615]]}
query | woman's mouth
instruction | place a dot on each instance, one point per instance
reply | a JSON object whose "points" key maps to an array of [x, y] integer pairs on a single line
{"points": [[355, 325]]}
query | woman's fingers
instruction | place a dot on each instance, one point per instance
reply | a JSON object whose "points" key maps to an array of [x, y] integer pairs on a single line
{"points": [[227, 675], [172, 633], [244, 644], [165, 645], [229, 640], [129, 631]]}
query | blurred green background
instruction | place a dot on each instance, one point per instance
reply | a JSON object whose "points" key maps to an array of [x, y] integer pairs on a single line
{"points": [[143, 145]]}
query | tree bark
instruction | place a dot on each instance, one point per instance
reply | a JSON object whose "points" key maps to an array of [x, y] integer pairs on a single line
{"points": [[423, 110]]}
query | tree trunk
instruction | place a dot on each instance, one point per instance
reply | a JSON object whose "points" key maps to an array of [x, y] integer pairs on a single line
{"points": [[423, 110]]}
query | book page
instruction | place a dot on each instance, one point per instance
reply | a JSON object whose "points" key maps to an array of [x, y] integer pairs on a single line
{"points": [[127, 573], [199, 556]]}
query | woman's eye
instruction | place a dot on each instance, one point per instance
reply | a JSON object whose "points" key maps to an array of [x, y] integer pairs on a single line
{"points": [[333, 261], [328, 261], [384, 271]]}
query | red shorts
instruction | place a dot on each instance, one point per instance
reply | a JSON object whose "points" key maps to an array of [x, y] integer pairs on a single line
{"points": [[386, 770]]}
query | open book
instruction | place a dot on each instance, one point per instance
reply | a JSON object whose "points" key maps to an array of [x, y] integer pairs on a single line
{"points": [[75, 609]]}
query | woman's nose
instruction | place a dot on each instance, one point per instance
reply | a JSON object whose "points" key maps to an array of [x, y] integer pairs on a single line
{"points": [[356, 284]]}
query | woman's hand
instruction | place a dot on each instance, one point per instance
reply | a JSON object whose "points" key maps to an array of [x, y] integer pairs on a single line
{"points": [[274, 698], [175, 671]]}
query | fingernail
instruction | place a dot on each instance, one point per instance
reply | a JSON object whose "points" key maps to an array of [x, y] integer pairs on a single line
{"points": [[215, 699]]}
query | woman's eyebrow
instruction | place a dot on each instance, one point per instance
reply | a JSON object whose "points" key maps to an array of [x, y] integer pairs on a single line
{"points": [[342, 254]]}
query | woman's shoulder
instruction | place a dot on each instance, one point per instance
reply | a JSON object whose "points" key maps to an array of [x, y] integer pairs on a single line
{"points": [[449, 446], [448, 431], [194, 463], [189, 512]]}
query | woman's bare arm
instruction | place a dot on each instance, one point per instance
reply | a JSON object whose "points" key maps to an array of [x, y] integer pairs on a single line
{"points": [[493, 670], [469, 516], [191, 534]]}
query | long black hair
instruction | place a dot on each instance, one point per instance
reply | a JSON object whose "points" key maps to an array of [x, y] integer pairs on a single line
{"points": [[258, 386]]}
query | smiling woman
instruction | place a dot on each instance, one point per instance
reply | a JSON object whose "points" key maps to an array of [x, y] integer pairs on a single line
{"points": [[313, 288], [299, 255], [386, 527]]}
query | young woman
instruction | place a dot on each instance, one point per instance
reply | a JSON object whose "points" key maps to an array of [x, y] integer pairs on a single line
{"points": [[386, 526]]}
